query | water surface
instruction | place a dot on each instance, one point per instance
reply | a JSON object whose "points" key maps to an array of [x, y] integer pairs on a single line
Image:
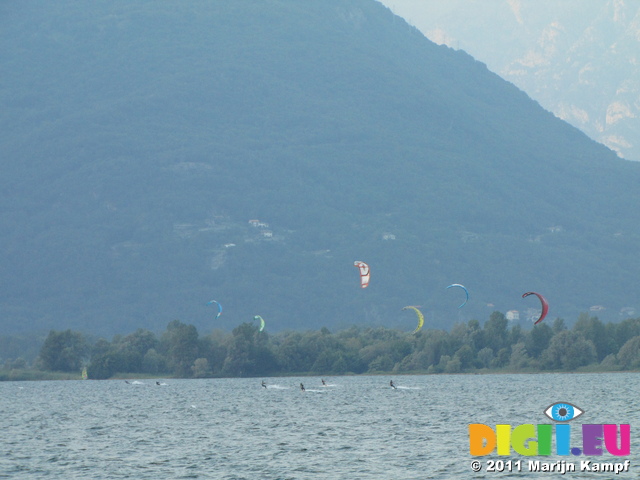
{"points": [[355, 428]]}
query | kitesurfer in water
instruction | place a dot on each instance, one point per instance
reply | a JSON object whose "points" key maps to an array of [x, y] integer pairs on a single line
{"points": [[302, 387], [392, 385], [264, 385], [324, 384], [157, 383]]}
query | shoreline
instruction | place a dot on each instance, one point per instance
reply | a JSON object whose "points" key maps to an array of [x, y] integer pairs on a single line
{"points": [[37, 375]]}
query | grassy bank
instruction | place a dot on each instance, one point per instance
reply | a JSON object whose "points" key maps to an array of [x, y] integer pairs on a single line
{"points": [[27, 374]]}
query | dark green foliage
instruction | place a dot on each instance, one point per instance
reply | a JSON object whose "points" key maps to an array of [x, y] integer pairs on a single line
{"points": [[496, 332], [538, 339], [105, 365], [593, 330], [63, 351], [629, 355], [247, 352], [179, 345]]}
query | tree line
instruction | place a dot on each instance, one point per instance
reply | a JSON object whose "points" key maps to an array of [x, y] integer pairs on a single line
{"points": [[246, 352]]}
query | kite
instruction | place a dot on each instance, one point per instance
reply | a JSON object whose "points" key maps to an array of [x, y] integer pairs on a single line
{"points": [[364, 273], [219, 308], [543, 301], [420, 318], [465, 291], [259, 318]]}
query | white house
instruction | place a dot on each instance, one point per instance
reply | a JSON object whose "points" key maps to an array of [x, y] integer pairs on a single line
{"points": [[512, 315]]}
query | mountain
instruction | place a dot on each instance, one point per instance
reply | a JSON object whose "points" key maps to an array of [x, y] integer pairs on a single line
{"points": [[579, 60], [160, 155]]}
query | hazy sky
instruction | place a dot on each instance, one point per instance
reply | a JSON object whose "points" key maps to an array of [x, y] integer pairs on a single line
{"points": [[418, 8], [483, 23], [579, 59]]}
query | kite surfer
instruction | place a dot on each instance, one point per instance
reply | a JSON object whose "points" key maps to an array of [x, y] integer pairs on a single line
{"points": [[392, 385], [264, 385], [324, 384], [302, 387]]}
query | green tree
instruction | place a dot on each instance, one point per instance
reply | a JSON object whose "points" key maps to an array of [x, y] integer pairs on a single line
{"points": [[568, 350], [291, 355], [594, 330], [558, 326], [629, 354], [383, 363], [465, 356], [134, 347], [610, 362], [63, 351], [102, 346], [454, 365], [153, 362], [214, 348], [179, 344], [248, 353], [475, 336], [436, 344], [485, 357], [538, 339], [502, 358], [417, 360], [442, 364], [104, 365], [519, 357], [581, 352], [516, 335], [495, 332], [625, 330]]}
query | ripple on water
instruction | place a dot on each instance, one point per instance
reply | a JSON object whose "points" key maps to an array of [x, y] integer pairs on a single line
{"points": [[235, 429]]}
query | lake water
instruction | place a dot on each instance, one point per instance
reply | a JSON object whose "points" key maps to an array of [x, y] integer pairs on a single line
{"points": [[355, 428]]}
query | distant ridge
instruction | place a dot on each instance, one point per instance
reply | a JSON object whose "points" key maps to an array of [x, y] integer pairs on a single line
{"points": [[579, 61], [141, 138]]}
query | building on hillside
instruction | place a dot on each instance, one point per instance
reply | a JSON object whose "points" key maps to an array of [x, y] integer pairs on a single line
{"points": [[513, 315]]}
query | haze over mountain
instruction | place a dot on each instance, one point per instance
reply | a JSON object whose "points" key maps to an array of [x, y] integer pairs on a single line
{"points": [[580, 59], [140, 139]]}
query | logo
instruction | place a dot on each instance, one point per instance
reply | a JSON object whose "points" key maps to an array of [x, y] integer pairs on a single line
{"points": [[529, 439], [562, 412]]}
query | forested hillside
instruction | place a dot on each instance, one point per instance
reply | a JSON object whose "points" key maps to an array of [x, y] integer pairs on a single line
{"points": [[140, 139]]}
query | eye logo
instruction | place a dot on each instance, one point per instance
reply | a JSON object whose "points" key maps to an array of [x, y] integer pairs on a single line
{"points": [[562, 412]]}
